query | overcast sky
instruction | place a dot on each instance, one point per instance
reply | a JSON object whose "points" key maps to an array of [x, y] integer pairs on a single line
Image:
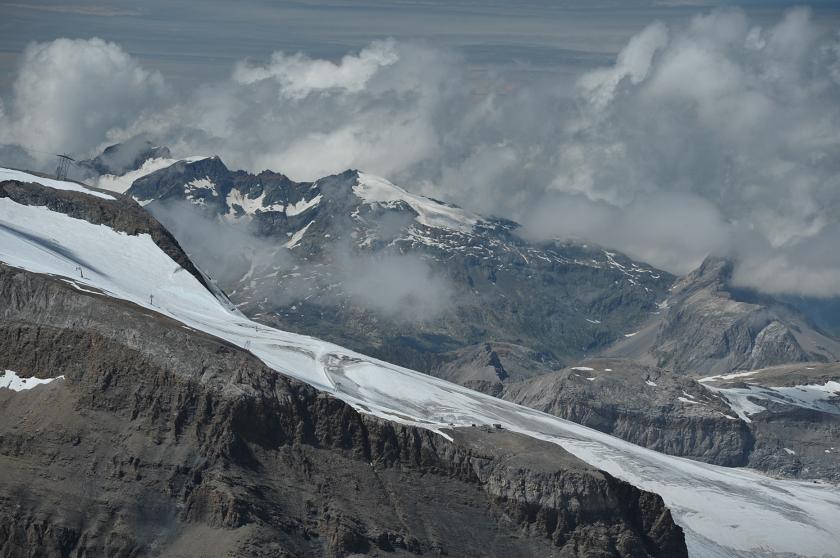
{"points": [[197, 41], [668, 130]]}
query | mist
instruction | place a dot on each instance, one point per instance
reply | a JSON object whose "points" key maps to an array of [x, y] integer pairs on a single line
{"points": [[400, 287]]}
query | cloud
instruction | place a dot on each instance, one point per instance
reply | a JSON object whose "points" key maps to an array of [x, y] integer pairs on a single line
{"points": [[298, 75], [401, 287], [69, 94], [715, 136]]}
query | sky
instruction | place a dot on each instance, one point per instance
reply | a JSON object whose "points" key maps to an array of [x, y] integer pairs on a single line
{"points": [[669, 130]]}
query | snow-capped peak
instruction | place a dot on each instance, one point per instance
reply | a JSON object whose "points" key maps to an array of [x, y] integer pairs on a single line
{"points": [[376, 190]]}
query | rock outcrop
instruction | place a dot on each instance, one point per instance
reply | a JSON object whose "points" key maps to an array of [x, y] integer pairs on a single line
{"points": [[645, 405], [489, 367], [708, 326]]}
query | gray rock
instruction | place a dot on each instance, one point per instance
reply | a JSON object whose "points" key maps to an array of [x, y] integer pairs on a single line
{"points": [[165, 441], [710, 327], [562, 299]]}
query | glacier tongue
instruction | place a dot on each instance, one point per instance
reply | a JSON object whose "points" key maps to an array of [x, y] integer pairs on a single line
{"points": [[725, 512]]}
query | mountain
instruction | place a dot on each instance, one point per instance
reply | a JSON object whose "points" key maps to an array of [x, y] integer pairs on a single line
{"points": [[708, 326], [135, 421], [120, 158], [355, 259], [198, 431]]}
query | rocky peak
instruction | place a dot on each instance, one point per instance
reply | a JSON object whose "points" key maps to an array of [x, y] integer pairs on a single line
{"points": [[123, 157], [715, 272]]}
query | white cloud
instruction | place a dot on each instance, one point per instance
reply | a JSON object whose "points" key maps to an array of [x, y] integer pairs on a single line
{"points": [[715, 136], [69, 92], [298, 75]]}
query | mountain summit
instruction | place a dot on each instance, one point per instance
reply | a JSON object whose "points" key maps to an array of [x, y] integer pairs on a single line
{"points": [[395, 274]]}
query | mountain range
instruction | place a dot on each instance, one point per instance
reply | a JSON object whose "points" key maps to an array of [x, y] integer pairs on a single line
{"points": [[187, 369]]}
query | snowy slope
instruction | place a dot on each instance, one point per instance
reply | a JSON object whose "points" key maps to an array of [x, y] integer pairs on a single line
{"points": [[11, 174], [726, 512], [817, 397]]}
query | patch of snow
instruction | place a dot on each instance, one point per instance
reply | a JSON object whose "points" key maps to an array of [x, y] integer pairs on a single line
{"points": [[789, 451], [684, 400], [724, 511], [376, 190], [10, 380], [630, 334], [591, 379], [648, 382], [593, 321], [302, 205], [816, 397], [20, 176], [729, 376], [582, 368], [249, 205], [200, 184], [607, 369], [298, 236]]}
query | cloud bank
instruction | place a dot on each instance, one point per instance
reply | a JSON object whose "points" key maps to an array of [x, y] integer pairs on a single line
{"points": [[717, 137]]}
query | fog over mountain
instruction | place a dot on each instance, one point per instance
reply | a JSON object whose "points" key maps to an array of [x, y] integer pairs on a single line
{"points": [[717, 135]]}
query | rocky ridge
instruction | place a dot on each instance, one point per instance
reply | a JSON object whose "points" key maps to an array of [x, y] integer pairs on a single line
{"points": [[707, 326]]}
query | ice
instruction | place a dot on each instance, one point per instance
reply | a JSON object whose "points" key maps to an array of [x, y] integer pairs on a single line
{"points": [[724, 511], [12, 174]]}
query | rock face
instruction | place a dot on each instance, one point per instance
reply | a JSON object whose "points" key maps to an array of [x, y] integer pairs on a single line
{"points": [[645, 405], [159, 440], [793, 412], [489, 367], [332, 251], [164, 441], [707, 326], [782, 420]]}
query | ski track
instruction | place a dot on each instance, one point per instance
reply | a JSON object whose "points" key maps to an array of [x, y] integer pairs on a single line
{"points": [[724, 511]]}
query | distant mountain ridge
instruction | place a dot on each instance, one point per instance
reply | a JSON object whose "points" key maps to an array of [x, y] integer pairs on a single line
{"points": [[564, 299], [707, 326]]}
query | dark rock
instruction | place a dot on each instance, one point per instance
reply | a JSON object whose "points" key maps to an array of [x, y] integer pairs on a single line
{"points": [[162, 440]]}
